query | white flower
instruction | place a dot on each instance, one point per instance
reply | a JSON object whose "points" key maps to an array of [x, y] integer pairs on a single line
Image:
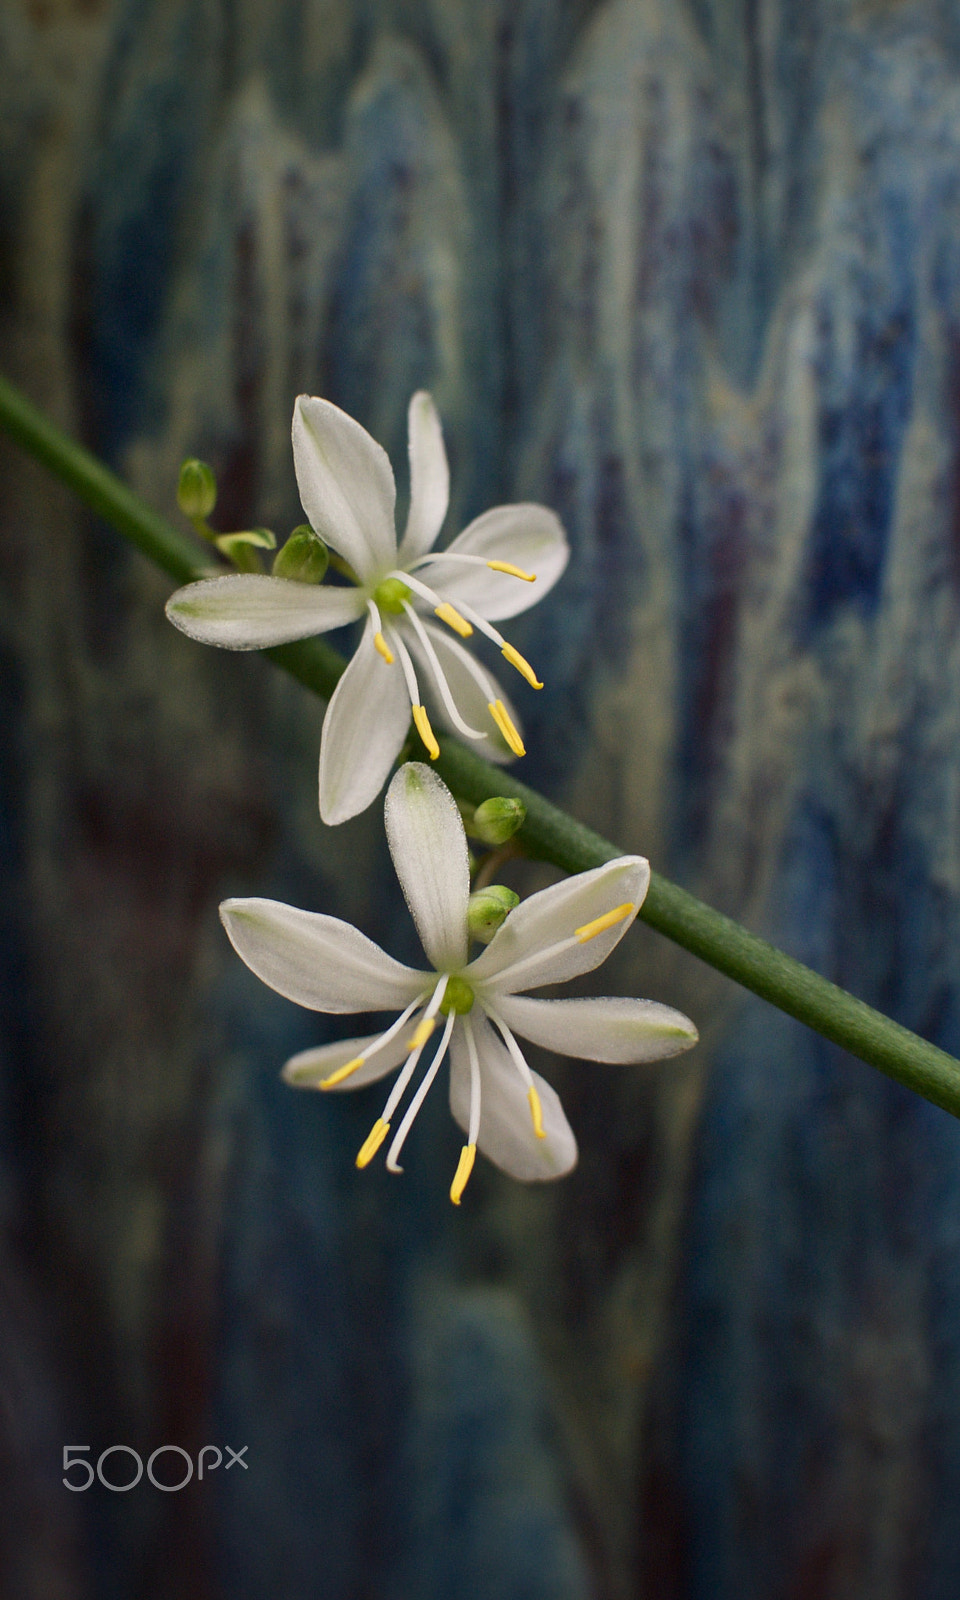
{"points": [[506, 1110], [500, 565]]}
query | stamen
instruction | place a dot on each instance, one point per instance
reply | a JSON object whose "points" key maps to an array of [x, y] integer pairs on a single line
{"points": [[474, 1125], [372, 1142], [344, 1072], [523, 667], [482, 623], [379, 642], [410, 1115], [474, 561], [421, 1033], [601, 924], [439, 676], [513, 656], [536, 1112], [468, 1155], [511, 973], [453, 619], [419, 588], [410, 1065], [512, 571], [519, 1060], [480, 676], [422, 723], [406, 664], [501, 717]]}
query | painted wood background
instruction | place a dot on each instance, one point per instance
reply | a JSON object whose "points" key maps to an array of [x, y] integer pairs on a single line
{"points": [[689, 272]]}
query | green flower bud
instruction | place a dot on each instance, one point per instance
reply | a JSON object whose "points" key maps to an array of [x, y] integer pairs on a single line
{"points": [[497, 820], [242, 548], [488, 909], [304, 557], [197, 489]]}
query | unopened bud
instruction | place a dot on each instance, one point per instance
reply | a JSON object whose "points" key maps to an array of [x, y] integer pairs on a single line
{"points": [[497, 820], [488, 909], [197, 489], [242, 548], [303, 558]]}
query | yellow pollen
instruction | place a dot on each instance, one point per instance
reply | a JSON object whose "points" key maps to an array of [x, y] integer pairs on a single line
{"points": [[372, 1142], [523, 667], [342, 1073], [512, 571], [422, 722], [536, 1112], [501, 717], [421, 1032], [601, 924], [382, 648], [464, 1168], [453, 619]]}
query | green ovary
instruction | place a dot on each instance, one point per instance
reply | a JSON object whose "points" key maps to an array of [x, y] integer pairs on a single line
{"points": [[389, 596], [457, 997]]}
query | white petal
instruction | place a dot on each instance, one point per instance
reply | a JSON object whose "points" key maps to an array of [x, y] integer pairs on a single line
{"points": [[310, 1067], [506, 1134], [429, 850], [346, 485], [243, 611], [471, 698], [529, 536], [600, 1030], [429, 478], [316, 960], [363, 731], [552, 916]]}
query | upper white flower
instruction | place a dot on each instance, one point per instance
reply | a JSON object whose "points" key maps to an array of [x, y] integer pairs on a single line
{"points": [[507, 1111], [500, 565]]}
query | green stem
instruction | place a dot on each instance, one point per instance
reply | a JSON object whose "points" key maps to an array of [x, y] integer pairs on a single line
{"points": [[548, 832], [102, 490]]}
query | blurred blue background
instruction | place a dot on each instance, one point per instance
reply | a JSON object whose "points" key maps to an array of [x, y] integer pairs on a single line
{"points": [[687, 271]]}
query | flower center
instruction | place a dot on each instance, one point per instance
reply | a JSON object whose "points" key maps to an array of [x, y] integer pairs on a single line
{"points": [[457, 997], [390, 595]]}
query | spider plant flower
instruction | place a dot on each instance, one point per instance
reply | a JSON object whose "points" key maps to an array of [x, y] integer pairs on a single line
{"points": [[417, 604], [471, 1011]]}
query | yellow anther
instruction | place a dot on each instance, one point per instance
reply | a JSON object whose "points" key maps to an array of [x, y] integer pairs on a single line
{"points": [[601, 924], [342, 1073], [421, 1032], [501, 717], [468, 1156], [372, 1142], [512, 571], [453, 619], [382, 648], [536, 1112], [422, 723], [523, 667]]}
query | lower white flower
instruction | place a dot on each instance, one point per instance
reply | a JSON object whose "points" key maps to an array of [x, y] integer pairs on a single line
{"points": [[507, 1110]]}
